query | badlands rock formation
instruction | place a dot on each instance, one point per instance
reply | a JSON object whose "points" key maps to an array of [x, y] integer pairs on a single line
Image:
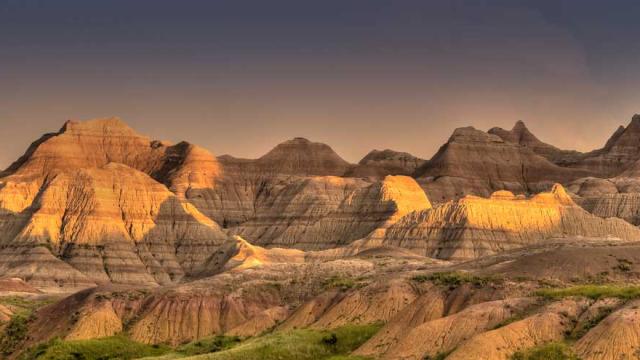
{"points": [[475, 162], [178, 245], [473, 227], [380, 163], [320, 213], [521, 135], [115, 224], [300, 156]]}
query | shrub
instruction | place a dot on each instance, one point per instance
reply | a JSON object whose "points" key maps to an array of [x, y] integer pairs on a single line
{"points": [[456, 278], [209, 345], [337, 282], [551, 351]]}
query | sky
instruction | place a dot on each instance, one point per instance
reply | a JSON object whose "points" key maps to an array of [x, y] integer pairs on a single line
{"points": [[240, 76]]}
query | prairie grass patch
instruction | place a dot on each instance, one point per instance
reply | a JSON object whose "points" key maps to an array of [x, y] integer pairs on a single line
{"points": [[340, 282], [304, 344], [592, 292], [551, 351], [115, 347]]}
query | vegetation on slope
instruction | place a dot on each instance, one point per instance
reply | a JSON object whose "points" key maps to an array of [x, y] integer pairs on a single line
{"points": [[456, 278], [551, 351], [208, 345], [297, 344], [15, 332], [301, 345], [115, 347], [592, 292]]}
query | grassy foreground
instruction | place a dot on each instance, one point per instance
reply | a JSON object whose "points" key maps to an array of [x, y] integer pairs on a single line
{"points": [[296, 344], [305, 344], [115, 347]]}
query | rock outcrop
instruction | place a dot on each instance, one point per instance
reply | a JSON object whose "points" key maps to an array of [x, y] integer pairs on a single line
{"points": [[380, 163], [112, 223], [441, 336], [302, 157], [521, 135], [478, 163], [473, 227], [547, 326], [615, 337], [318, 213], [620, 152]]}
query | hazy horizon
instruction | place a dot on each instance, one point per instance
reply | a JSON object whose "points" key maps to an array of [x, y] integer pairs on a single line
{"points": [[238, 77]]}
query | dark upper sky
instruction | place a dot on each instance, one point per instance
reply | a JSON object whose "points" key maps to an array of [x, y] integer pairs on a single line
{"points": [[239, 76]]}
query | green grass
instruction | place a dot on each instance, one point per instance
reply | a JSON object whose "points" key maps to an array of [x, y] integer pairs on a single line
{"points": [[115, 347], [592, 292], [551, 351], [338, 282], [305, 344], [16, 330], [14, 334], [456, 278], [208, 345]]}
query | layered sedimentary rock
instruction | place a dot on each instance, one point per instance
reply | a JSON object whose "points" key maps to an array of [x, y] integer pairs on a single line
{"points": [[302, 157], [616, 197], [615, 337], [440, 336], [94, 144], [114, 223], [475, 162], [521, 135], [243, 186], [245, 302], [549, 325], [620, 152], [325, 212], [380, 163], [474, 227]]}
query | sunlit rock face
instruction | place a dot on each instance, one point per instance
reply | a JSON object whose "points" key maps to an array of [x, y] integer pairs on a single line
{"points": [[94, 144], [473, 227], [117, 224], [478, 163], [380, 163], [325, 212]]}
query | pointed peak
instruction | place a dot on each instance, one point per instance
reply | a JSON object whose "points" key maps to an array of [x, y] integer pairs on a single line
{"points": [[519, 126], [561, 194], [635, 121], [519, 123]]}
